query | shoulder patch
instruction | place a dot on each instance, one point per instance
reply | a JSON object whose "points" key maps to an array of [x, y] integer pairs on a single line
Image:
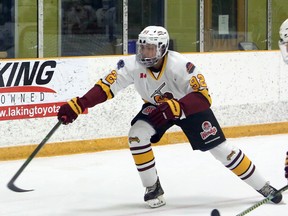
{"points": [[120, 64], [147, 110], [190, 67]]}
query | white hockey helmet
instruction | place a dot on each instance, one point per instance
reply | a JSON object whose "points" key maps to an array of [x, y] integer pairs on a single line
{"points": [[155, 35], [283, 32]]}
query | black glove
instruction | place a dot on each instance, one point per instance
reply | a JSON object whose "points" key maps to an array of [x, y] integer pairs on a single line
{"points": [[69, 112], [155, 138], [165, 112]]}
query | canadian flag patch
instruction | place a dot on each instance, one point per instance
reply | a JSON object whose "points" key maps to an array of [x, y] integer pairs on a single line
{"points": [[143, 75]]}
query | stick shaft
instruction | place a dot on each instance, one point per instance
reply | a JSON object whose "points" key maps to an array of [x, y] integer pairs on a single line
{"points": [[256, 205], [28, 160]]}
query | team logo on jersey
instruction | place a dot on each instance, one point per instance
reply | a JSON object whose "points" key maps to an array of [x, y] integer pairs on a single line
{"points": [[190, 67], [208, 130], [147, 110], [163, 97], [158, 90], [231, 155], [160, 97], [134, 139], [120, 64]]}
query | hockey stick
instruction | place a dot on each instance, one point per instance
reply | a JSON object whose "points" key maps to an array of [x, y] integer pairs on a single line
{"points": [[215, 212], [11, 184]]}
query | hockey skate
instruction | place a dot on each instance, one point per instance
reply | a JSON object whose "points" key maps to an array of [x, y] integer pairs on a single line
{"points": [[154, 195], [269, 190]]}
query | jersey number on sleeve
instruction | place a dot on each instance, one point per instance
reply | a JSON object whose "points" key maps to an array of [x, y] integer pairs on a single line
{"points": [[110, 78], [198, 82]]}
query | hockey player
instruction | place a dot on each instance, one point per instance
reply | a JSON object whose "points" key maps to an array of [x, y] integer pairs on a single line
{"points": [[174, 92], [283, 45], [283, 42]]}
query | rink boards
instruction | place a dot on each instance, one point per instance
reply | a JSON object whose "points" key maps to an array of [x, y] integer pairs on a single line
{"points": [[249, 92]]}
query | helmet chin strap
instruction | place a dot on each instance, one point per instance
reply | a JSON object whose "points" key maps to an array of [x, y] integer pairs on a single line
{"points": [[158, 66]]}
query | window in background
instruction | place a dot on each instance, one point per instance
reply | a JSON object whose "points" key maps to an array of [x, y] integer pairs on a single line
{"points": [[7, 26], [141, 14], [279, 14], [95, 27], [91, 27], [224, 24], [182, 22], [26, 29], [257, 23]]}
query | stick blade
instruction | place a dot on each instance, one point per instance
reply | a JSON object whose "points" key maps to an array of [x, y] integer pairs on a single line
{"points": [[14, 188]]}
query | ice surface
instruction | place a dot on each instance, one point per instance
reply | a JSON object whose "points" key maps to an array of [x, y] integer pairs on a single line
{"points": [[107, 183]]}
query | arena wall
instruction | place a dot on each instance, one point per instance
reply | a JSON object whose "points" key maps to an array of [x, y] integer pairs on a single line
{"points": [[249, 92]]}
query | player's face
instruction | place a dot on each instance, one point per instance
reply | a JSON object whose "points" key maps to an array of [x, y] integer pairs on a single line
{"points": [[148, 50]]}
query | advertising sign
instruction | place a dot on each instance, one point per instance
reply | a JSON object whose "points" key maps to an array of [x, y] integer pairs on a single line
{"points": [[37, 88]]}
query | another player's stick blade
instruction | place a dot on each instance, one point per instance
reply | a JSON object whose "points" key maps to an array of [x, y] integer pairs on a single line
{"points": [[215, 212], [14, 188]]}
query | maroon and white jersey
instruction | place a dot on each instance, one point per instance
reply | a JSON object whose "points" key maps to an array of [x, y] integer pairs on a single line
{"points": [[177, 78]]}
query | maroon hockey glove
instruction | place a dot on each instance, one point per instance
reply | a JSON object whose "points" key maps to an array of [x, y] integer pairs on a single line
{"points": [[69, 112], [286, 166], [165, 112]]}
